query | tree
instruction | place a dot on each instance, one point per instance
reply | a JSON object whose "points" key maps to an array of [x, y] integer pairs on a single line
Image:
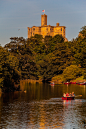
{"points": [[47, 39], [84, 74], [62, 57], [46, 69], [80, 52], [38, 36], [9, 73], [58, 39], [83, 31], [71, 72]]}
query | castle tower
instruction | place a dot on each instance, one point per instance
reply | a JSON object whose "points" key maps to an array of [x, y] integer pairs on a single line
{"points": [[43, 20]]}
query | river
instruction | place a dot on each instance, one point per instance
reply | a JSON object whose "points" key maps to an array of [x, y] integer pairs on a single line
{"points": [[39, 106]]}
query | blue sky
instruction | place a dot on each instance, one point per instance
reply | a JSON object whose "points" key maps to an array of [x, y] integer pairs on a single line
{"points": [[20, 14]]}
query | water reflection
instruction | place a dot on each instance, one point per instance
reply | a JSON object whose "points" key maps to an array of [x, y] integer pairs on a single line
{"points": [[74, 114], [41, 107]]}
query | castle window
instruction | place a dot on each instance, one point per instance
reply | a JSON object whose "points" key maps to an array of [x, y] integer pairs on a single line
{"points": [[33, 28], [33, 33], [46, 28], [61, 29]]}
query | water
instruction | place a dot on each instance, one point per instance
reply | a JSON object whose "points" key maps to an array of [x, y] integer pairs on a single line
{"points": [[41, 107]]}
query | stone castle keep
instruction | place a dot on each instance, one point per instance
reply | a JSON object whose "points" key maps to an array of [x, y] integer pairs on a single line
{"points": [[46, 30]]}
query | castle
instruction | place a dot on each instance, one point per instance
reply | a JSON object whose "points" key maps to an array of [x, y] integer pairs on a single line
{"points": [[46, 30]]}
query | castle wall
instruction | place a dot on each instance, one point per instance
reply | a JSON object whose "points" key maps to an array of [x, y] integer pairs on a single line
{"points": [[59, 30], [33, 30], [29, 32], [46, 30]]}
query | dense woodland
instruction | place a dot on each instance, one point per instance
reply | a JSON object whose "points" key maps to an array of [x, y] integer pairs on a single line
{"points": [[42, 58]]}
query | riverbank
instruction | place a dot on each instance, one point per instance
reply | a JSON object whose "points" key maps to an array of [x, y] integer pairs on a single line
{"points": [[59, 79], [31, 81]]}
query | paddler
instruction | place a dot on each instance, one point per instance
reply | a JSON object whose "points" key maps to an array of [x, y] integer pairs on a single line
{"points": [[67, 94], [73, 94], [64, 95]]}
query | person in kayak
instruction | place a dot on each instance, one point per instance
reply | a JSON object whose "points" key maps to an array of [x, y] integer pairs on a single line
{"points": [[64, 95], [73, 94], [67, 94], [70, 94]]}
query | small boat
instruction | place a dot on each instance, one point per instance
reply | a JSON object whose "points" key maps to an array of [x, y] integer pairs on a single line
{"points": [[68, 98], [52, 83], [67, 83], [81, 83], [72, 82]]}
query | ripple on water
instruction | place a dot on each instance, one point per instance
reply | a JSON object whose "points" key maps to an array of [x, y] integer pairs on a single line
{"points": [[53, 113]]}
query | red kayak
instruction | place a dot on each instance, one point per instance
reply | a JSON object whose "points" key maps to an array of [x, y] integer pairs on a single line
{"points": [[68, 98], [72, 82], [82, 83], [52, 84], [67, 83]]}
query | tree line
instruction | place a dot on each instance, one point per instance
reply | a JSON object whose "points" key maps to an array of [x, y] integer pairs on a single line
{"points": [[42, 58]]}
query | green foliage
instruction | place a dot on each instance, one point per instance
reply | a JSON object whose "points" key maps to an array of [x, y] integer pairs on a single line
{"points": [[44, 58], [84, 73], [58, 39], [27, 67], [46, 69], [83, 31], [79, 50], [48, 38], [62, 57], [38, 36], [9, 73], [71, 72]]}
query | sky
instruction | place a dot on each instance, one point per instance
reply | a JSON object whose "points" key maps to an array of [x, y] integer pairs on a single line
{"points": [[17, 15]]}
